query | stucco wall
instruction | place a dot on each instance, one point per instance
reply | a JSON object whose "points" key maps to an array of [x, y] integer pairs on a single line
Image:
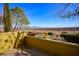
{"points": [[53, 47], [7, 40]]}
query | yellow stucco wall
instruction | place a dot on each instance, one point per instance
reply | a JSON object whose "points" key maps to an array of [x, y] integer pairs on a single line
{"points": [[53, 47], [7, 40]]}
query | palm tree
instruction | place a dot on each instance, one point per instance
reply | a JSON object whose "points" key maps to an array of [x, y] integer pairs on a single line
{"points": [[7, 18]]}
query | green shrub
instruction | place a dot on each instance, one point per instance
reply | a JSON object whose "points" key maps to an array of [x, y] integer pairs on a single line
{"points": [[64, 32], [57, 35], [77, 34], [50, 33], [70, 38], [31, 34]]}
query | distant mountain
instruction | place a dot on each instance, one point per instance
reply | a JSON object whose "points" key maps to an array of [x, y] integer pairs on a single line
{"points": [[48, 28]]}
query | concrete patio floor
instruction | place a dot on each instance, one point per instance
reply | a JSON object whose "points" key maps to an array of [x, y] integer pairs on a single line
{"points": [[25, 52]]}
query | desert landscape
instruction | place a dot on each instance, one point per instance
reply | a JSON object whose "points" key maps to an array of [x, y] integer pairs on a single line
{"points": [[39, 29]]}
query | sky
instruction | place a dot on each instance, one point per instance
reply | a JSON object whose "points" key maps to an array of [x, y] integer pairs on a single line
{"points": [[44, 14]]}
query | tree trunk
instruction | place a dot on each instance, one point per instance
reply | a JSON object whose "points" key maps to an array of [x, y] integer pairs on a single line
{"points": [[7, 18]]}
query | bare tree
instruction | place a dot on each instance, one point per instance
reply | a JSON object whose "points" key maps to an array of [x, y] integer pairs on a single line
{"points": [[65, 13]]}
